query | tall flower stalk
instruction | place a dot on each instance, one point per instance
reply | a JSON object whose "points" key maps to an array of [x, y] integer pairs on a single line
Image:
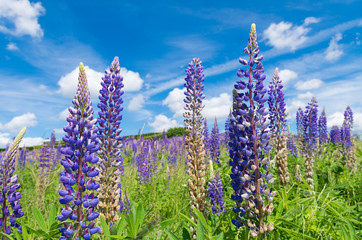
{"points": [[80, 169], [215, 143], [249, 145], [44, 168], [310, 138], [10, 196], [335, 135], [110, 162], [194, 145], [278, 126], [322, 128]]}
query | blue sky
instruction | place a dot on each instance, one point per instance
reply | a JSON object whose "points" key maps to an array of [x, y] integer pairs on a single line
{"points": [[315, 44]]}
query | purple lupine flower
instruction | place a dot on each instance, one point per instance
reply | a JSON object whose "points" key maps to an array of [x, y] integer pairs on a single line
{"points": [[52, 149], [249, 144], [81, 146], [276, 106], [322, 128], [346, 137], [111, 161], [292, 145], [10, 196], [214, 143], [215, 193], [299, 120], [144, 164], [205, 132], [22, 157], [310, 136], [278, 125], [227, 128], [335, 135], [58, 155], [44, 160], [194, 145], [348, 117]]}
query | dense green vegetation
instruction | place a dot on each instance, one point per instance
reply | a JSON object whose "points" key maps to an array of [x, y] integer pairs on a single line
{"points": [[160, 209]]}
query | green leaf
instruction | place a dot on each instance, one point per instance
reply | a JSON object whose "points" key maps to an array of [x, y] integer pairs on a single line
{"points": [[220, 236], [167, 222], [39, 219], [105, 228], [199, 232], [7, 236], [202, 219], [117, 237], [140, 214], [51, 219], [171, 235], [25, 232], [185, 234], [189, 220]]}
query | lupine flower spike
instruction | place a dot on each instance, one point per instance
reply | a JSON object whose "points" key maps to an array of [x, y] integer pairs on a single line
{"points": [[310, 136], [249, 145], [216, 193], [111, 162], [195, 148], [322, 128], [215, 143], [278, 126], [44, 168], [81, 145], [335, 135], [10, 196]]}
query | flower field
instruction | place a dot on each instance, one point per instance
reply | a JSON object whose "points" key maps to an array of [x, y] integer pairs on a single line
{"points": [[247, 178]]}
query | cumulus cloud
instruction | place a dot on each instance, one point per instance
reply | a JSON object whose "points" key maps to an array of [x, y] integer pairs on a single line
{"points": [[218, 107], [285, 35], [161, 122], [335, 119], [4, 139], [334, 52], [175, 102], [23, 16], [12, 47], [18, 122], [32, 141], [286, 75], [310, 84], [68, 83], [136, 102]]}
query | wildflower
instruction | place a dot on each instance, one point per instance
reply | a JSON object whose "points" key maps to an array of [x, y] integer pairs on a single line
{"points": [[81, 146], [249, 144]]}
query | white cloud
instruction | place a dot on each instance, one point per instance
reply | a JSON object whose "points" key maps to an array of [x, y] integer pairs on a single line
{"points": [[218, 107], [175, 102], [307, 95], [23, 15], [18, 122], [68, 83], [161, 122], [310, 84], [63, 114], [32, 141], [334, 52], [310, 20], [131, 80], [12, 47], [4, 139], [286, 75], [136, 102], [286, 35], [335, 119], [292, 106]]}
